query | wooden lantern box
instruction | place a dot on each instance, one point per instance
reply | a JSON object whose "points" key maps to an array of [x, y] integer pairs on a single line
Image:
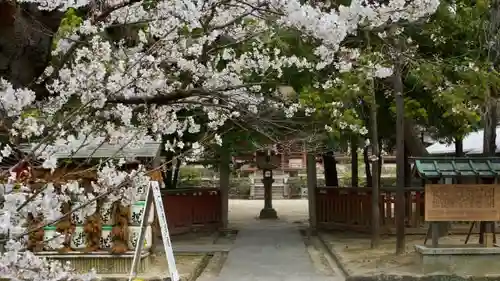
{"points": [[267, 162]]}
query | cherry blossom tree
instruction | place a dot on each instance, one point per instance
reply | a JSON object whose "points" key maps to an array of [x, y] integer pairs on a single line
{"points": [[129, 71]]}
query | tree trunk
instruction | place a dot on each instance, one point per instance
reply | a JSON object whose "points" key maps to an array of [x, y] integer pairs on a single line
{"points": [[400, 144], [354, 163], [489, 148], [175, 178], [408, 175], [167, 179], [330, 169], [380, 162], [376, 169], [224, 182], [459, 147], [490, 123], [368, 172], [311, 190], [413, 142], [25, 41], [459, 152]]}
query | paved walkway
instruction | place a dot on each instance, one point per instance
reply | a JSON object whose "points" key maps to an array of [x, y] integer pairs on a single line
{"points": [[269, 251]]}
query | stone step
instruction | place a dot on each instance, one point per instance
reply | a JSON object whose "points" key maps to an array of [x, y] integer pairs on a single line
{"points": [[211, 248], [277, 192]]}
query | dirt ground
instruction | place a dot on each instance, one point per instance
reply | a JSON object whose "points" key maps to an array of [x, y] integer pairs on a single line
{"points": [[247, 211], [186, 265], [356, 256]]}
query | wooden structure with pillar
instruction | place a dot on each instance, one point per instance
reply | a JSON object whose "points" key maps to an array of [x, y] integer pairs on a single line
{"points": [[349, 208], [467, 185], [105, 239]]}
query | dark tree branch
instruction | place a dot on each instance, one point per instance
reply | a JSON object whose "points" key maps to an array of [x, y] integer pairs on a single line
{"points": [[183, 94]]}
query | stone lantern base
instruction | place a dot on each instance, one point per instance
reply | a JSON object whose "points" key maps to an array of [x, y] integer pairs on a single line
{"points": [[268, 214]]}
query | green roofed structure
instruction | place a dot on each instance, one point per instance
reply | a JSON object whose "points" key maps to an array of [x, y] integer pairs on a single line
{"points": [[431, 168], [447, 170]]}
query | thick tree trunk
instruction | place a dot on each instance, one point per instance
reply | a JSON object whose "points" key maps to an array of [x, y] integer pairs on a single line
{"points": [[330, 169], [413, 142], [25, 41]]}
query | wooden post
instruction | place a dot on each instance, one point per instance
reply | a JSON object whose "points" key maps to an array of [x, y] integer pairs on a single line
{"points": [[224, 181], [311, 190], [435, 234], [155, 227]]}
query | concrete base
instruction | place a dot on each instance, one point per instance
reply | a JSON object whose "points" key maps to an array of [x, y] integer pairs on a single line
{"points": [[268, 214], [125, 277], [472, 260], [433, 277], [103, 262]]}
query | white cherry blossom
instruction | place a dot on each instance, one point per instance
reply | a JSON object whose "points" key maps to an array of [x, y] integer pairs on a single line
{"points": [[185, 73]]}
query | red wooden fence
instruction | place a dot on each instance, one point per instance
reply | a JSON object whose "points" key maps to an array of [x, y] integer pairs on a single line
{"points": [[188, 209], [349, 208]]}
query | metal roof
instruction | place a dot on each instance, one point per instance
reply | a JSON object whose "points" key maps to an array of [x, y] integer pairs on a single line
{"points": [[472, 144], [435, 167], [148, 149]]}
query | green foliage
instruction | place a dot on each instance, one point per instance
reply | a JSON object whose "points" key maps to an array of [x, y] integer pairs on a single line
{"points": [[295, 185], [447, 72], [189, 176], [69, 23], [239, 188], [35, 113], [452, 73]]}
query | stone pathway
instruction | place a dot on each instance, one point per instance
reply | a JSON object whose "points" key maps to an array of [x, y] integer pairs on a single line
{"points": [[270, 251]]}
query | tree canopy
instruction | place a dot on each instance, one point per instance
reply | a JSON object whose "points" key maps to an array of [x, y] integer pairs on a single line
{"points": [[84, 73]]}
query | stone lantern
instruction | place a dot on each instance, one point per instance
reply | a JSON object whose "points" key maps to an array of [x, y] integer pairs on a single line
{"points": [[267, 161]]}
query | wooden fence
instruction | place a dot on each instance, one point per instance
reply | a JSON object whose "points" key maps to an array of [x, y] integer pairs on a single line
{"points": [[194, 208], [349, 208]]}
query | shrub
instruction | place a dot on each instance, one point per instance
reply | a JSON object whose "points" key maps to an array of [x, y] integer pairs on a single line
{"points": [[239, 188]]}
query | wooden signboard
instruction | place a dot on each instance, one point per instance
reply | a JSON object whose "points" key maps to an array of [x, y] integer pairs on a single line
{"points": [[462, 202]]}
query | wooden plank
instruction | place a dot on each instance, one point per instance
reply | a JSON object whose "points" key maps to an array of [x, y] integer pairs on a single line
{"points": [[462, 202]]}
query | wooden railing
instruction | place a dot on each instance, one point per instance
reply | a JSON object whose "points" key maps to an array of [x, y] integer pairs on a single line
{"points": [[350, 208], [194, 208]]}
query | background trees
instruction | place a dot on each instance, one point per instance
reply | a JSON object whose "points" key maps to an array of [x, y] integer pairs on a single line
{"points": [[186, 73]]}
